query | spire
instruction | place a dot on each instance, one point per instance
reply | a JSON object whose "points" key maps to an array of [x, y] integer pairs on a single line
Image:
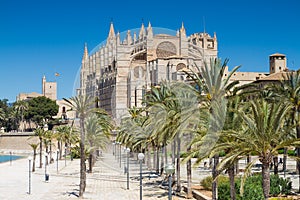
{"points": [[149, 30], [134, 37], [85, 53], [111, 33], [215, 36], [129, 38], [182, 29], [118, 38], [142, 31]]}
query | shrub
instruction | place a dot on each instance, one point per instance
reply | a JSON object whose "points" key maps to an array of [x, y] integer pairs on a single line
{"points": [[291, 152], [253, 187], [280, 151], [207, 182], [222, 154]]}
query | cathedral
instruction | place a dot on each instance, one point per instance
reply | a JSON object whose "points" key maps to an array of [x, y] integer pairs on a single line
{"points": [[120, 70]]}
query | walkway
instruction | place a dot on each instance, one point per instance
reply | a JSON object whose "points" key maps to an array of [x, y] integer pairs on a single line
{"points": [[107, 181]]}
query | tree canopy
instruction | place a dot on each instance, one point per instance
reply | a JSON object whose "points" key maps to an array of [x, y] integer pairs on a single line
{"points": [[40, 109]]}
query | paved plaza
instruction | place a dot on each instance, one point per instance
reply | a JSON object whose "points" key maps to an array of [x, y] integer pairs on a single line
{"points": [[108, 180]]}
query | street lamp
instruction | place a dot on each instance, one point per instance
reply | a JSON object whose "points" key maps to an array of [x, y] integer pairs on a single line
{"points": [[10, 158], [113, 148], [170, 169], [29, 177], [120, 153], [65, 156], [46, 175], [141, 157], [125, 152], [128, 151], [57, 154]]}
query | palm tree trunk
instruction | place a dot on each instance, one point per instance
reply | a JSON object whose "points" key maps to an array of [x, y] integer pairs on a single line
{"points": [[214, 175], [266, 179], [189, 175], [178, 188], [33, 163], [248, 159], [232, 184], [237, 167], [82, 160], [173, 149], [154, 158], [157, 159], [41, 152], [60, 150], [148, 157], [51, 160], [163, 149], [91, 162], [298, 154], [275, 160], [284, 160], [166, 154]]}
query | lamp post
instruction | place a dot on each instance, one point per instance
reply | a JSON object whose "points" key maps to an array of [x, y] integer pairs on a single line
{"points": [[10, 158], [124, 161], [128, 151], [57, 154], [29, 177], [113, 148], [170, 169], [65, 156], [46, 175], [120, 153], [141, 157]]}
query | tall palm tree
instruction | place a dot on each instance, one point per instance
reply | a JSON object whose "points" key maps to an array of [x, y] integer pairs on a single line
{"points": [[67, 135], [40, 133], [264, 134], [21, 107], [2, 114], [97, 135], [83, 106], [288, 89], [213, 88]]}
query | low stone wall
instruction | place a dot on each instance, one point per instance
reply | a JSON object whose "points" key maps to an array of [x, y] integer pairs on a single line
{"points": [[17, 143], [197, 195]]}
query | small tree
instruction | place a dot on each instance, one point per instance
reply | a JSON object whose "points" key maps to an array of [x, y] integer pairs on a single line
{"points": [[41, 109], [34, 147]]}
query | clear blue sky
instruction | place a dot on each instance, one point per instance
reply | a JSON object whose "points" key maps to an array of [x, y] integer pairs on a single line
{"points": [[41, 37]]}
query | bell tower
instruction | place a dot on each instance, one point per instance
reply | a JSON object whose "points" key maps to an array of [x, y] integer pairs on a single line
{"points": [[277, 63]]}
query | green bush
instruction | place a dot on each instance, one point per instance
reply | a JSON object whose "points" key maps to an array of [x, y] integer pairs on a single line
{"points": [[253, 187], [280, 151], [206, 182], [222, 154], [291, 152]]}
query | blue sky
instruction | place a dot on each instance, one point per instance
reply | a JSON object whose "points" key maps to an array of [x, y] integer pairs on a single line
{"points": [[41, 37]]}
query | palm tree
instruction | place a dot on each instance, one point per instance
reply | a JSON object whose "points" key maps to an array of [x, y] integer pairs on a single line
{"points": [[21, 107], [40, 133], [264, 134], [288, 89], [34, 147], [213, 87], [66, 134], [83, 106], [2, 114], [97, 134]]}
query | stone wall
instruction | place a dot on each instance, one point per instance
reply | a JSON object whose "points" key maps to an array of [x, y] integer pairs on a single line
{"points": [[17, 143]]}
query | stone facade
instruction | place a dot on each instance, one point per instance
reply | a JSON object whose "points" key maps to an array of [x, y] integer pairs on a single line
{"points": [[49, 90], [120, 70]]}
